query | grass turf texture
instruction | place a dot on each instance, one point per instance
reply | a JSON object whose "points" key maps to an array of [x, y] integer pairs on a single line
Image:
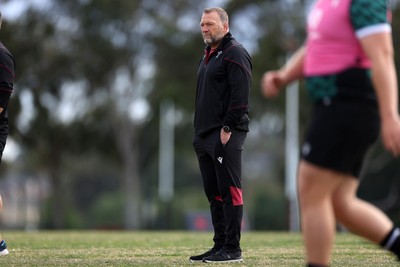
{"points": [[120, 248]]}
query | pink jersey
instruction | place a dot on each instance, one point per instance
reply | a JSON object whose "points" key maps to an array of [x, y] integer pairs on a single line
{"points": [[332, 43]]}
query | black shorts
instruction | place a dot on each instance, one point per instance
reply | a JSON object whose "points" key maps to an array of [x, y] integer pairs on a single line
{"points": [[340, 132]]}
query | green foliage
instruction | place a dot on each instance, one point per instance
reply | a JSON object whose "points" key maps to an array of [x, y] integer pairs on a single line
{"points": [[172, 215], [107, 212], [267, 207], [71, 217]]}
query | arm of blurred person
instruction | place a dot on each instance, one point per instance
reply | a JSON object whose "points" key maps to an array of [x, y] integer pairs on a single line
{"points": [[273, 81], [379, 49], [6, 78]]}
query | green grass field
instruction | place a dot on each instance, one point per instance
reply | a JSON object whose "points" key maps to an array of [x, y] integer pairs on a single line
{"points": [[119, 248]]}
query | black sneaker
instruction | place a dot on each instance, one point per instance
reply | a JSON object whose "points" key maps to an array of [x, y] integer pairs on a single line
{"points": [[199, 258], [223, 256]]}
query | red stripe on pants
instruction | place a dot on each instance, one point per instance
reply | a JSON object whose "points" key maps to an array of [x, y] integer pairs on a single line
{"points": [[237, 198]]}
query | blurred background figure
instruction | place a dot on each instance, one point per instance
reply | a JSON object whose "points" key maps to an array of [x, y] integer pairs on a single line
{"points": [[7, 73], [351, 78]]}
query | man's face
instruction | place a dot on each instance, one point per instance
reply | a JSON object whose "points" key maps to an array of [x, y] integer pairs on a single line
{"points": [[212, 29]]}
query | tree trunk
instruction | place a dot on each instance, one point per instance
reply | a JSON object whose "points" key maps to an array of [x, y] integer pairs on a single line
{"points": [[58, 191], [131, 190], [125, 137]]}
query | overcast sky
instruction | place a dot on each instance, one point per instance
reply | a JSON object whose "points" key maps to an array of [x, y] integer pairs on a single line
{"points": [[14, 8]]}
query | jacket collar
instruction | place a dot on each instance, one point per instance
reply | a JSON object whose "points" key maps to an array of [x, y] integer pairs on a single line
{"points": [[223, 42]]}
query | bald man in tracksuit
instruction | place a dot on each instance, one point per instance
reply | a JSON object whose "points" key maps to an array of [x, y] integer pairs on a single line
{"points": [[221, 124]]}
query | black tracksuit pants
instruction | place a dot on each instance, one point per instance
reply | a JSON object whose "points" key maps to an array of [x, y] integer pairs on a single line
{"points": [[221, 168]]}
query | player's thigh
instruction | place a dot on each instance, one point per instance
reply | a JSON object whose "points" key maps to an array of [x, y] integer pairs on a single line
{"points": [[315, 183]]}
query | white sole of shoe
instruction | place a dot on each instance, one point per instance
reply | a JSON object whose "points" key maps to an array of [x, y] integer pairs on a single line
{"points": [[4, 252], [228, 261]]}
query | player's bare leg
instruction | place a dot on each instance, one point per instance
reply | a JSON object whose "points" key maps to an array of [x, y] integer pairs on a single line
{"points": [[353, 212], [316, 188]]}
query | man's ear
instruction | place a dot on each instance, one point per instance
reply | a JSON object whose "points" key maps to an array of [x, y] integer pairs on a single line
{"points": [[226, 27]]}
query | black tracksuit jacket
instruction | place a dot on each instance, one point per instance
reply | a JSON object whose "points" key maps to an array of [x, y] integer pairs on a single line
{"points": [[223, 87], [7, 73]]}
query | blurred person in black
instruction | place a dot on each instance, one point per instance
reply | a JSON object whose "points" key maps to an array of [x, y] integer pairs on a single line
{"points": [[221, 124], [7, 72]]}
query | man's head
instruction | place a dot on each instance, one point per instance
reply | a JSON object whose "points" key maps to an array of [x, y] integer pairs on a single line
{"points": [[214, 25]]}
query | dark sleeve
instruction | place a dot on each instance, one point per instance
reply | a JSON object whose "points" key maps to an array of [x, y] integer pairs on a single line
{"points": [[6, 78], [239, 75], [366, 13]]}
